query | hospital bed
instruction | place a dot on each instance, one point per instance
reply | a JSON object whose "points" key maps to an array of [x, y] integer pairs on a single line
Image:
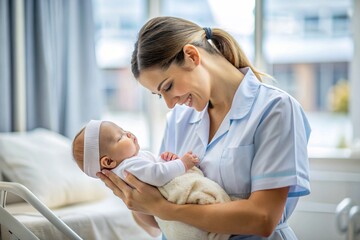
{"points": [[43, 195]]}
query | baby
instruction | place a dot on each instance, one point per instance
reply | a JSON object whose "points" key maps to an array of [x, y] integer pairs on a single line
{"points": [[105, 145]]}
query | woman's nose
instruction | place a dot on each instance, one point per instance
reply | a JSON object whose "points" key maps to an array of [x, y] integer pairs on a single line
{"points": [[171, 101]]}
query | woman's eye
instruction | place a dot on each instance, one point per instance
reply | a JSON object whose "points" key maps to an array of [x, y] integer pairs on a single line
{"points": [[168, 87]]}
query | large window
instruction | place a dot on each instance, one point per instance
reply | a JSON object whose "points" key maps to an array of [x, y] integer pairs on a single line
{"points": [[118, 22], [307, 48]]}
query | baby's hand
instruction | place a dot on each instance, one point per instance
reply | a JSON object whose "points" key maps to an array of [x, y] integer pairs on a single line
{"points": [[190, 160], [169, 156]]}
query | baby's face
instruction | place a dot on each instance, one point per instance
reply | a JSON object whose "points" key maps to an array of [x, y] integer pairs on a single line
{"points": [[117, 143]]}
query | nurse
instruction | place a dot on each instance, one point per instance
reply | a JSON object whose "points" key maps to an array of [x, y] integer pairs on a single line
{"points": [[251, 138]]}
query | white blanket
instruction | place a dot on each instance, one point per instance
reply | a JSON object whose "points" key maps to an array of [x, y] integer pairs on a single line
{"points": [[191, 187]]}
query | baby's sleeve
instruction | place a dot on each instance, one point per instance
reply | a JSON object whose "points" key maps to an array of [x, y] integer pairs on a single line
{"points": [[153, 172]]}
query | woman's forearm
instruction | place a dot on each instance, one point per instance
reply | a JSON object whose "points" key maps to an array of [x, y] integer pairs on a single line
{"points": [[218, 218], [148, 223], [253, 216]]}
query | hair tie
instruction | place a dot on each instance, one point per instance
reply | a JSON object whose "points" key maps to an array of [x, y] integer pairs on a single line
{"points": [[208, 33]]}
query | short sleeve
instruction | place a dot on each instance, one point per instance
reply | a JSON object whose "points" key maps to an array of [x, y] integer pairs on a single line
{"points": [[280, 144]]}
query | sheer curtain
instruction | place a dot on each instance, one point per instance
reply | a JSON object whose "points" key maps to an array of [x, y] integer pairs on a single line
{"points": [[63, 88]]}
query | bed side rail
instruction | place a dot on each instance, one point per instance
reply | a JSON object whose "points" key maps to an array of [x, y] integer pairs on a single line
{"points": [[348, 219], [19, 229]]}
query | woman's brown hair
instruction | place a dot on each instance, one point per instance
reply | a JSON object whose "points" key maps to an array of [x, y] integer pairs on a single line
{"points": [[161, 40]]}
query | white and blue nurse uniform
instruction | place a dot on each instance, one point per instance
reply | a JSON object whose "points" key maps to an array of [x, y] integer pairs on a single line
{"points": [[261, 144]]}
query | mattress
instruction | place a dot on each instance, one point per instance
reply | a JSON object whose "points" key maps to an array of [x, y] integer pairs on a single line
{"points": [[104, 219]]}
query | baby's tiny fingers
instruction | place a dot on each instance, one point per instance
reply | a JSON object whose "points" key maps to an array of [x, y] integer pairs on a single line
{"points": [[166, 156]]}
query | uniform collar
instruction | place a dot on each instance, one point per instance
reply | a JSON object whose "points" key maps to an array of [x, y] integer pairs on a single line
{"points": [[243, 100], [197, 116], [245, 95]]}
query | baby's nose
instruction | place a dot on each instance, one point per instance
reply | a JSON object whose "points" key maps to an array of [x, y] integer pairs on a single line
{"points": [[128, 135]]}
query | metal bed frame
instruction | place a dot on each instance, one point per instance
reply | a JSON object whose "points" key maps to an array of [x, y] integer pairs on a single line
{"points": [[11, 226]]}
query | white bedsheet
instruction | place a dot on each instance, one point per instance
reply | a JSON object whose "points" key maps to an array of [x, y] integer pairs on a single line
{"points": [[107, 219]]}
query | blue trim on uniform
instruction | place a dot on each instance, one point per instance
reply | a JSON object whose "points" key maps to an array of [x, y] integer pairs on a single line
{"points": [[274, 175], [299, 194]]}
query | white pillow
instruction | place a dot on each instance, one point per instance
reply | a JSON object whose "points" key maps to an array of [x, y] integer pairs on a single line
{"points": [[41, 160]]}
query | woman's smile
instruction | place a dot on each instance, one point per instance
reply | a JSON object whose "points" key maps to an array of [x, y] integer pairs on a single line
{"points": [[188, 101]]}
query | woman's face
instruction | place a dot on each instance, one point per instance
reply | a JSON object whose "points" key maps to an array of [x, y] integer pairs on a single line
{"points": [[188, 84]]}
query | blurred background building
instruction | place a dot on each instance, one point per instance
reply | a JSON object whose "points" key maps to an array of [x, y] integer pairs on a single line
{"points": [[306, 45]]}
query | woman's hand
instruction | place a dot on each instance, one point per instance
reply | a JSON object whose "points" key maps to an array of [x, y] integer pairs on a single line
{"points": [[137, 196]]}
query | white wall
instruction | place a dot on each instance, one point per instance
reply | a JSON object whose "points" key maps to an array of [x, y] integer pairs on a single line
{"points": [[332, 180]]}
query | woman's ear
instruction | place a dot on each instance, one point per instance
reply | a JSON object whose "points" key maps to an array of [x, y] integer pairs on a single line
{"points": [[191, 55], [106, 162]]}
